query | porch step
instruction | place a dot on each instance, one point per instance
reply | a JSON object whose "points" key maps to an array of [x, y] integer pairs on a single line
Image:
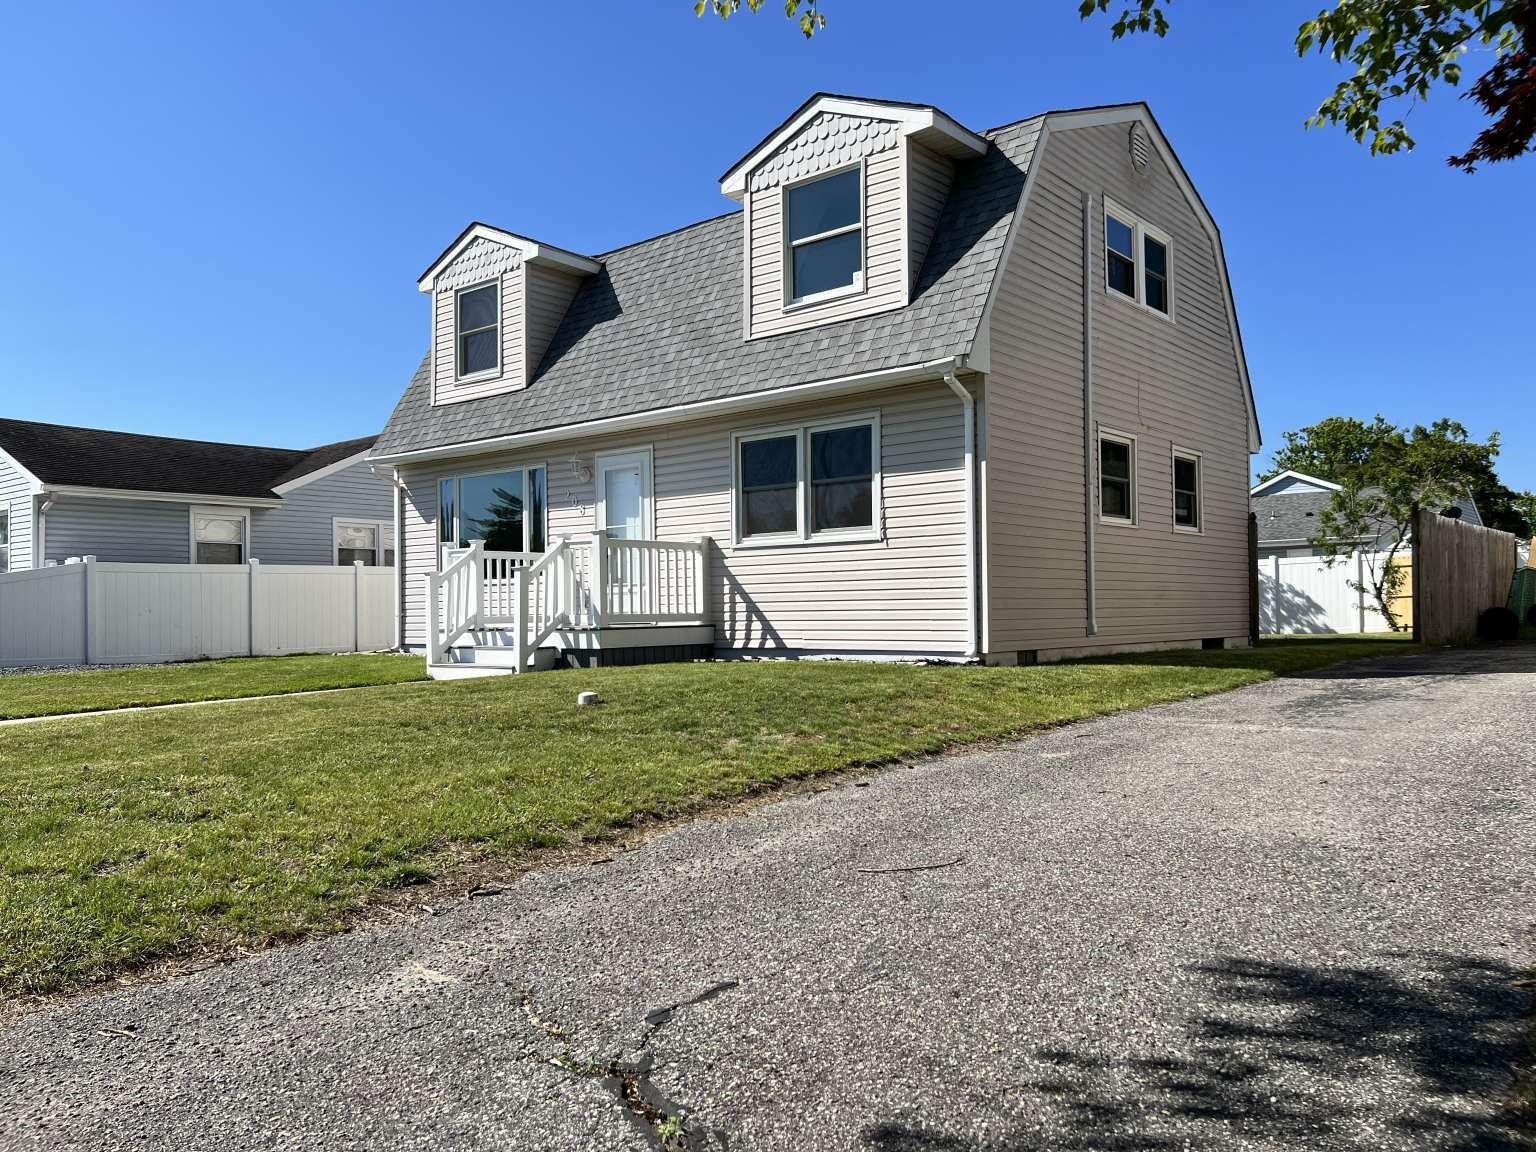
{"points": [[581, 648]]}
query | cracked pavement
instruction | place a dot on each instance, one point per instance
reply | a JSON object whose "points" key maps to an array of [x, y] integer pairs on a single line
{"points": [[1293, 916]]}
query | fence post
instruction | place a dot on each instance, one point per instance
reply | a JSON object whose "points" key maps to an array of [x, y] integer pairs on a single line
{"points": [[91, 604], [1253, 577], [434, 619], [599, 577], [701, 579], [253, 566], [520, 615], [357, 605], [1418, 572], [1360, 589]]}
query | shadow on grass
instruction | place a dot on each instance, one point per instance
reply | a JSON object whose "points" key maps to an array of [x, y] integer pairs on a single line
{"points": [[1291, 1057]]}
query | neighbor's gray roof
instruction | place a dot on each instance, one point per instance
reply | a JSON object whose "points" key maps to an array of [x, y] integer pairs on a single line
{"points": [[661, 324], [1288, 516]]}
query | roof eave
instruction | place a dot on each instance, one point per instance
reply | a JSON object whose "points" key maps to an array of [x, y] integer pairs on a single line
{"points": [[96, 493]]}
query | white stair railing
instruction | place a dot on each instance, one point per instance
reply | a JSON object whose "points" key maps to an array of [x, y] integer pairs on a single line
{"points": [[651, 581], [453, 601]]}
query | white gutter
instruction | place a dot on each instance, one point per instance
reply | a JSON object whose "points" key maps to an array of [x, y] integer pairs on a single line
{"points": [[968, 402], [56, 490], [39, 532], [795, 393]]}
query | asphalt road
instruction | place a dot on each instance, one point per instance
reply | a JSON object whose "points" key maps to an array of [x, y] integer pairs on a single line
{"points": [[1289, 917]]}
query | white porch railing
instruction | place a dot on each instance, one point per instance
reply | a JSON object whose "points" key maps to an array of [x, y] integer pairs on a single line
{"points": [[582, 583]]}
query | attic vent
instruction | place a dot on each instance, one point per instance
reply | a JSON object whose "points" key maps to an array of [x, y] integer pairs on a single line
{"points": [[1141, 147]]}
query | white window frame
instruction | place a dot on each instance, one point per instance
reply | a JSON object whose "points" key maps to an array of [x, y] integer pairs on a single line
{"points": [[858, 287], [378, 526], [640, 454], [225, 512], [1140, 230], [459, 376], [1175, 455], [1130, 442], [458, 504], [802, 534]]}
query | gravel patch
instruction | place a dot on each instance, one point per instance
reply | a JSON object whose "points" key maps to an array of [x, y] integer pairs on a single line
{"points": [[1294, 917]]}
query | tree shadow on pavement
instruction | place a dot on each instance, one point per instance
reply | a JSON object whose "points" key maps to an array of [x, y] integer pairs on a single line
{"points": [[1290, 1057]]}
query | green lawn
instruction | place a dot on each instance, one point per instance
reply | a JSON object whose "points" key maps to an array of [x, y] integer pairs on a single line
{"points": [[128, 838], [94, 689]]}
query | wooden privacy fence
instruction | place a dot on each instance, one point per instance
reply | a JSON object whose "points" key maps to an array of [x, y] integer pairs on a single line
{"points": [[97, 613], [1459, 571]]}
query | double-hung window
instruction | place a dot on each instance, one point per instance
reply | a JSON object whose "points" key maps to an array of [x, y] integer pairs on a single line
{"points": [[505, 509], [812, 482], [477, 329], [1117, 478], [824, 236], [370, 542], [1136, 260], [218, 536], [1186, 490]]}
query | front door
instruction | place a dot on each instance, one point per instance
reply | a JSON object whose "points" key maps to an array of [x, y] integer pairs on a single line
{"points": [[624, 495]]}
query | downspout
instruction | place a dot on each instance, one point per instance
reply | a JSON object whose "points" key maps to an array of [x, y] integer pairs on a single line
{"points": [[972, 616], [39, 532], [399, 558], [1090, 558]]}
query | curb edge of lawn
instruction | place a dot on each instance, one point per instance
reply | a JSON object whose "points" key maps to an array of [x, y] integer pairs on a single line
{"points": [[459, 881]]}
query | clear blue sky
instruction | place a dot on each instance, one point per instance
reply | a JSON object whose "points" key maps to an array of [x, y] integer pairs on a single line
{"points": [[214, 214]]}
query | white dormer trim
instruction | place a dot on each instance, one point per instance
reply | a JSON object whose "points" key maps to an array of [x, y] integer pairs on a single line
{"points": [[531, 251], [1289, 474], [940, 132]]}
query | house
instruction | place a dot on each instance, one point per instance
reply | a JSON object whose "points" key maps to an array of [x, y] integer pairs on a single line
{"points": [[68, 492], [929, 393], [1287, 505]]}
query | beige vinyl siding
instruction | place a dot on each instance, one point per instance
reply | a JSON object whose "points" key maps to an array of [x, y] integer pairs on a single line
{"points": [[903, 594], [929, 177], [481, 261], [549, 293], [1165, 383], [884, 253], [302, 531], [16, 502]]}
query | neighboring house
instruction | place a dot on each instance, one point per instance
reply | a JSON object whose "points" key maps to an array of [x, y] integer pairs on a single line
{"points": [[1287, 507], [118, 496], [931, 393]]}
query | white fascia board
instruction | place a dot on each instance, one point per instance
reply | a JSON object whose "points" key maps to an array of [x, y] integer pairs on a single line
{"points": [[960, 140], [66, 490], [321, 473], [531, 251], [1290, 474], [34, 485], [981, 339], [1124, 114], [680, 413]]}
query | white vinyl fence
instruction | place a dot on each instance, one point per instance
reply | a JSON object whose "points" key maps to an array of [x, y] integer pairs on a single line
{"points": [[1302, 594], [97, 613]]}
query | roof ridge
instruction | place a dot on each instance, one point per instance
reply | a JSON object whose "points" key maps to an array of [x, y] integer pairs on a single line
{"points": [[156, 436]]}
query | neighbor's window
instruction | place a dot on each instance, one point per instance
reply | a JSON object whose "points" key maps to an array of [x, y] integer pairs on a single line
{"points": [[842, 478], [356, 542], [5, 540], [1186, 490], [813, 482], [824, 224], [1117, 487], [505, 509], [219, 537], [770, 485], [1145, 280], [477, 326]]}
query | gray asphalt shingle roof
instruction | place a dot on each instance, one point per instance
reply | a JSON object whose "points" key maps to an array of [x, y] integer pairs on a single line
{"points": [[661, 324], [1291, 516]]}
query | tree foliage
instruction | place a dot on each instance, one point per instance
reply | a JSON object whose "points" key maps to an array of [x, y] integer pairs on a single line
{"points": [[1400, 50], [1386, 474]]}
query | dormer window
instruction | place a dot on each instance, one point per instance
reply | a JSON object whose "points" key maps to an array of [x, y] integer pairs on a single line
{"points": [[477, 324], [824, 229]]}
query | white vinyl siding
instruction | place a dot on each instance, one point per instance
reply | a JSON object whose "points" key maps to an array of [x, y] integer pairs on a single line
{"points": [[885, 255], [905, 593], [549, 293], [482, 261], [299, 532], [17, 501], [1162, 382], [929, 177]]}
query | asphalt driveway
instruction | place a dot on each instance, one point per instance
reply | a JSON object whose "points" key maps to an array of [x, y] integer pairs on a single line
{"points": [[1294, 916]]}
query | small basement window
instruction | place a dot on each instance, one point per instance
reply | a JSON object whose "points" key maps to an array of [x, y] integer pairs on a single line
{"points": [[477, 324], [824, 234], [1136, 260], [1186, 490], [1117, 478]]}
